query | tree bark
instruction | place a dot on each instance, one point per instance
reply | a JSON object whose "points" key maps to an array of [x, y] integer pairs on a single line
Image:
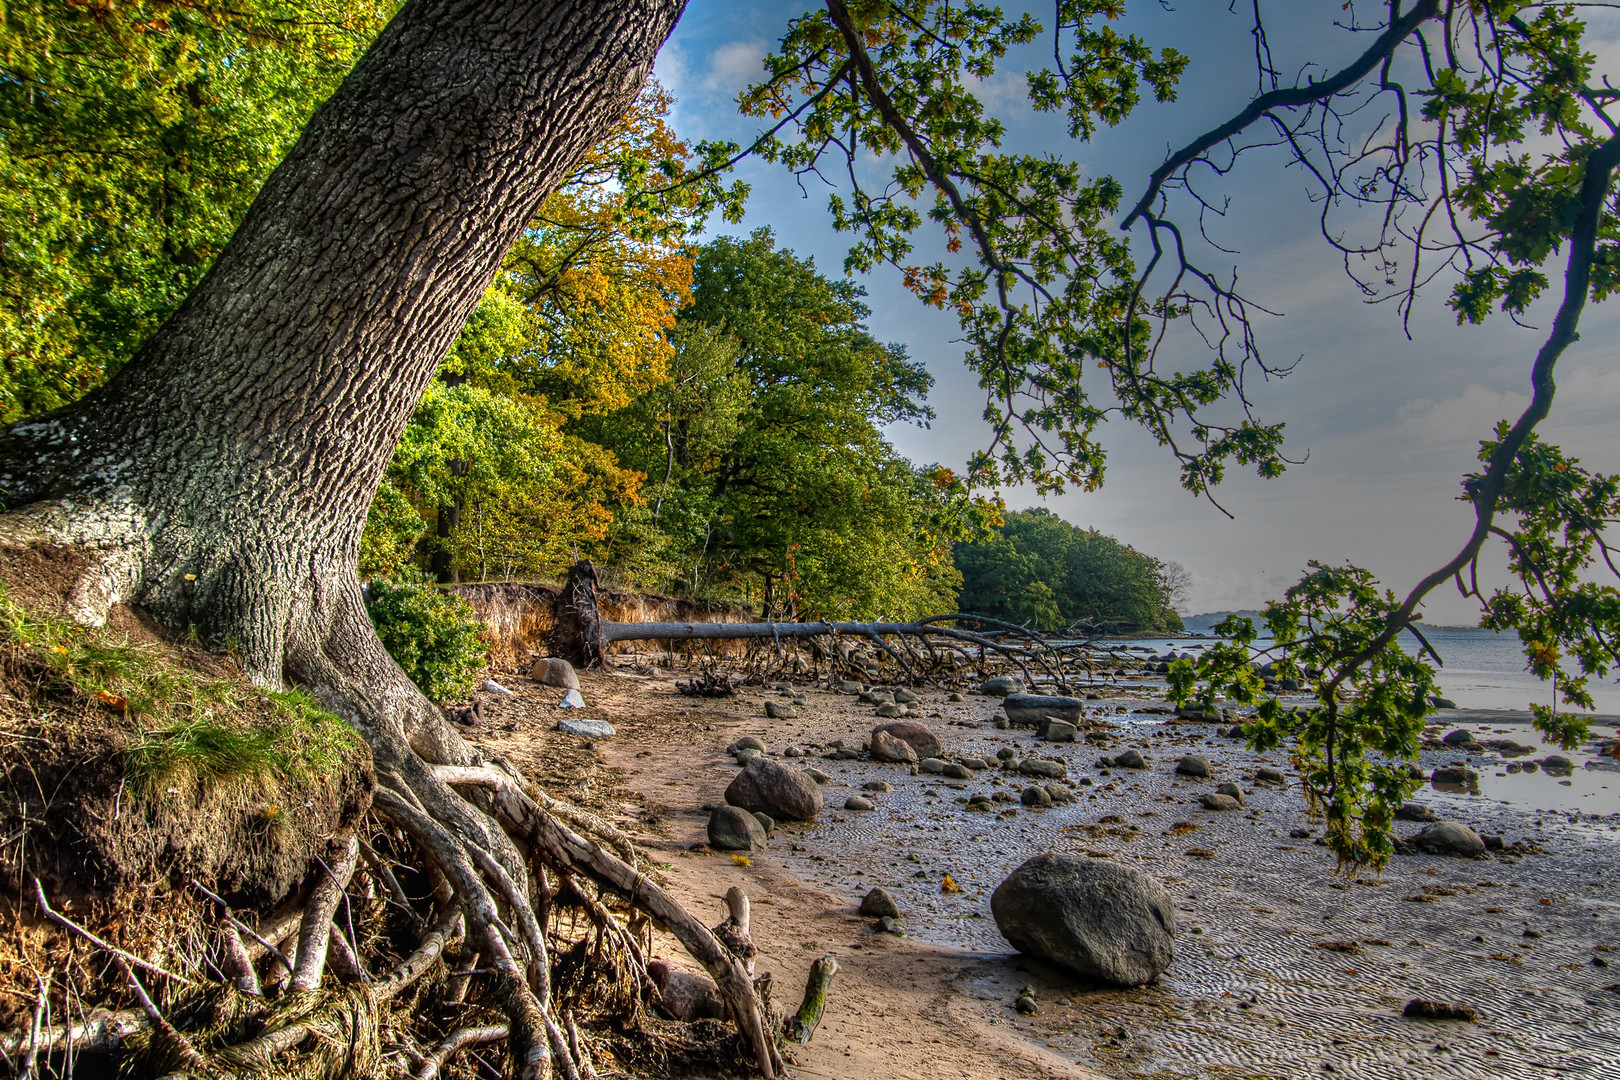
{"points": [[224, 474]]}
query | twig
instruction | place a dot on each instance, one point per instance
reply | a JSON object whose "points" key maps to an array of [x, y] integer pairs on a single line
{"points": [[64, 921], [239, 924]]}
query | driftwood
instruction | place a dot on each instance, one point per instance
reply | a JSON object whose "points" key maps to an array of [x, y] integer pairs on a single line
{"points": [[583, 635], [803, 1024]]}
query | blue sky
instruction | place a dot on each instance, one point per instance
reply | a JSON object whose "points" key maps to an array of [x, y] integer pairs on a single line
{"points": [[1389, 424]]}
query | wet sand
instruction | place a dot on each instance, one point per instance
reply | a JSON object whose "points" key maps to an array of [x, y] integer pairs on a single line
{"points": [[1282, 968]]}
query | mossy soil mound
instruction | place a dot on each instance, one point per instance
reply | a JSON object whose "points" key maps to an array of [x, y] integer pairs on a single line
{"points": [[132, 764]]}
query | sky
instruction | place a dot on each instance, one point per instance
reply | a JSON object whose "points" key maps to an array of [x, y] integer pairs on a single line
{"points": [[1386, 425]]}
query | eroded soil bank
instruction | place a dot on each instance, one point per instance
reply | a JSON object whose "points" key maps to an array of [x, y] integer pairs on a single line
{"points": [[1282, 968]]}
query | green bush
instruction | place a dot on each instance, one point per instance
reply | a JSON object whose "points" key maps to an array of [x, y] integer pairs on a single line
{"points": [[432, 634]]}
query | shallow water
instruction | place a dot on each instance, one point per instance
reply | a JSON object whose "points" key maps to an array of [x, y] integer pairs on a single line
{"points": [[1254, 904], [1481, 669]]}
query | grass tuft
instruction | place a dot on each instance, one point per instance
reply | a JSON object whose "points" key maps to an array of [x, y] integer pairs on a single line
{"points": [[187, 727]]}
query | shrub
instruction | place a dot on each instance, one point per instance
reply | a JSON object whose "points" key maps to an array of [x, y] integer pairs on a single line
{"points": [[430, 633]]}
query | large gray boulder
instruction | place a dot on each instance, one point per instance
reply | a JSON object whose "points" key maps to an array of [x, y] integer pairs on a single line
{"points": [[769, 787], [1101, 920], [731, 829], [914, 733], [1035, 710], [1450, 838]]}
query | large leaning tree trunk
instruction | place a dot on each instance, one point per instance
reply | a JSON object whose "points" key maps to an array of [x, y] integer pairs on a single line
{"points": [[224, 474], [221, 479]]}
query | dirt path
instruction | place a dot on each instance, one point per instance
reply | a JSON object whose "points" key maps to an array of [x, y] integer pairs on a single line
{"points": [[899, 1008]]}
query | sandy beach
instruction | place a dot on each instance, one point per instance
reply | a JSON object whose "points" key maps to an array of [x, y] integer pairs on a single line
{"points": [[1282, 968]]}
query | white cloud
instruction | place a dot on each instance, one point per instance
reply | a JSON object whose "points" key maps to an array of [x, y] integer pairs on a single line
{"points": [[1464, 418], [733, 66]]}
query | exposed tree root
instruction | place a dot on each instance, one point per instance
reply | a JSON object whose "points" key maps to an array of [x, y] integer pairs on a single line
{"points": [[469, 910]]}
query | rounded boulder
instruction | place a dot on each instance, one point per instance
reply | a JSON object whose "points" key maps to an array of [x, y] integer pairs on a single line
{"points": [[886, 747], [731, 829], [1100, 920], [916, 735], [769, 787]]}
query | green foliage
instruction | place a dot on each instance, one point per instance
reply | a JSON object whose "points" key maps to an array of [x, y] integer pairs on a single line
{"points": [[133, 137], [1565, 604], [1038, 570], [1371, 699], [887, 90], [780, 487], [432, 634]]}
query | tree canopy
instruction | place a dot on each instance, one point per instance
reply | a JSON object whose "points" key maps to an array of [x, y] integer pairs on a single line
{"points": [[132, 139], [1041, 571]]}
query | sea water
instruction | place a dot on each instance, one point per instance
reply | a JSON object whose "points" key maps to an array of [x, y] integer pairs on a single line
{"points": [[1480, 669]]}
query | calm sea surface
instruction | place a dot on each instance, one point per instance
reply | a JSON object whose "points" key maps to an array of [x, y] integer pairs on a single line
{"points": [[1481, 670]]}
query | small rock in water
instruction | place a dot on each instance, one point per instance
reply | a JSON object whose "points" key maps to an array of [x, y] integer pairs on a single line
{"points": [[817, 775], [747, 742], [747, 754], [858, 802], [1060, 793], [875, 785], [1006, 752], [1035, 796], [878, 903], [792, 751], [1299, 834], [1192, 765], [979, 801], [1268, 776], [1130, 759], [974, 763], [591, 729], [845, 755], [1415, 812], [1231, 790], [493, 687], [571, 700], [1453, 774], [1219, 802], [931, 765], [955, 770], [1460, 737], [1557, 765]]}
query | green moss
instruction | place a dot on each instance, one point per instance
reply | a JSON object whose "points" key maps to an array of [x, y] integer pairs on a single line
{"points": [[186, 726]]}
